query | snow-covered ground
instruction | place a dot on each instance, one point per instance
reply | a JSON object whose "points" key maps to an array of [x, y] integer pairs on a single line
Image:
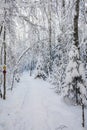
{"points": [[33, 105]]}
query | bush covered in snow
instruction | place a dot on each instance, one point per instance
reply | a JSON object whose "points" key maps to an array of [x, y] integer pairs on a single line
{"points": [[39, 71]]}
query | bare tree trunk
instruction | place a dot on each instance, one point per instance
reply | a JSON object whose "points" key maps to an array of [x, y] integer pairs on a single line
{"points": [[1, 49], [50, 34], [1, 71], [76, 20], [63, 8], [63, 3], [76, 91], [4, 69], [76, 35], [1, 28], [76, 43], [4, 46], [83, 116], [31, 68], [63, 15]]}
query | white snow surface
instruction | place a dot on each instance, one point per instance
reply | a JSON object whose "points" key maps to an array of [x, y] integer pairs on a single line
{"points": [[33, 105]]}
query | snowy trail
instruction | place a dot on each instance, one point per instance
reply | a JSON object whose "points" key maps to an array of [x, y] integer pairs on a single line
{"points": [[34, 106]]}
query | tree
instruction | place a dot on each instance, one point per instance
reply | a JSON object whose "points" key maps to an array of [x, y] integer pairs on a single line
{"points": [[6, 32], [75, 78], [75, 81], [50, 33]]}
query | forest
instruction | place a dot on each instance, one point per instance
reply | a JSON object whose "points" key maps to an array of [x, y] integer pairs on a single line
{"points": [[48, 40]]}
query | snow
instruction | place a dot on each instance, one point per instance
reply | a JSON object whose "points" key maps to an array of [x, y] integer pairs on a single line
{"points": [[73, 53], [33, 105]]}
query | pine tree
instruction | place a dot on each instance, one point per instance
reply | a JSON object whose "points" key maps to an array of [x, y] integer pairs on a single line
{"points": [[75, 85]]}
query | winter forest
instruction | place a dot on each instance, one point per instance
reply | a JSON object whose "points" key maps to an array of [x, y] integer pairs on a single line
{"points": [[43, 64]]}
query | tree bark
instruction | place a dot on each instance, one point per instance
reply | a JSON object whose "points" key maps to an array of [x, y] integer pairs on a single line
{"points": [[83, 117], [4, 71], [76, 20], [50, 34], [4, 46], [76, 36]]}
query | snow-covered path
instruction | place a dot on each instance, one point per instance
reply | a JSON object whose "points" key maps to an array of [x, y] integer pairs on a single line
{"points": [[32, 105]]}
